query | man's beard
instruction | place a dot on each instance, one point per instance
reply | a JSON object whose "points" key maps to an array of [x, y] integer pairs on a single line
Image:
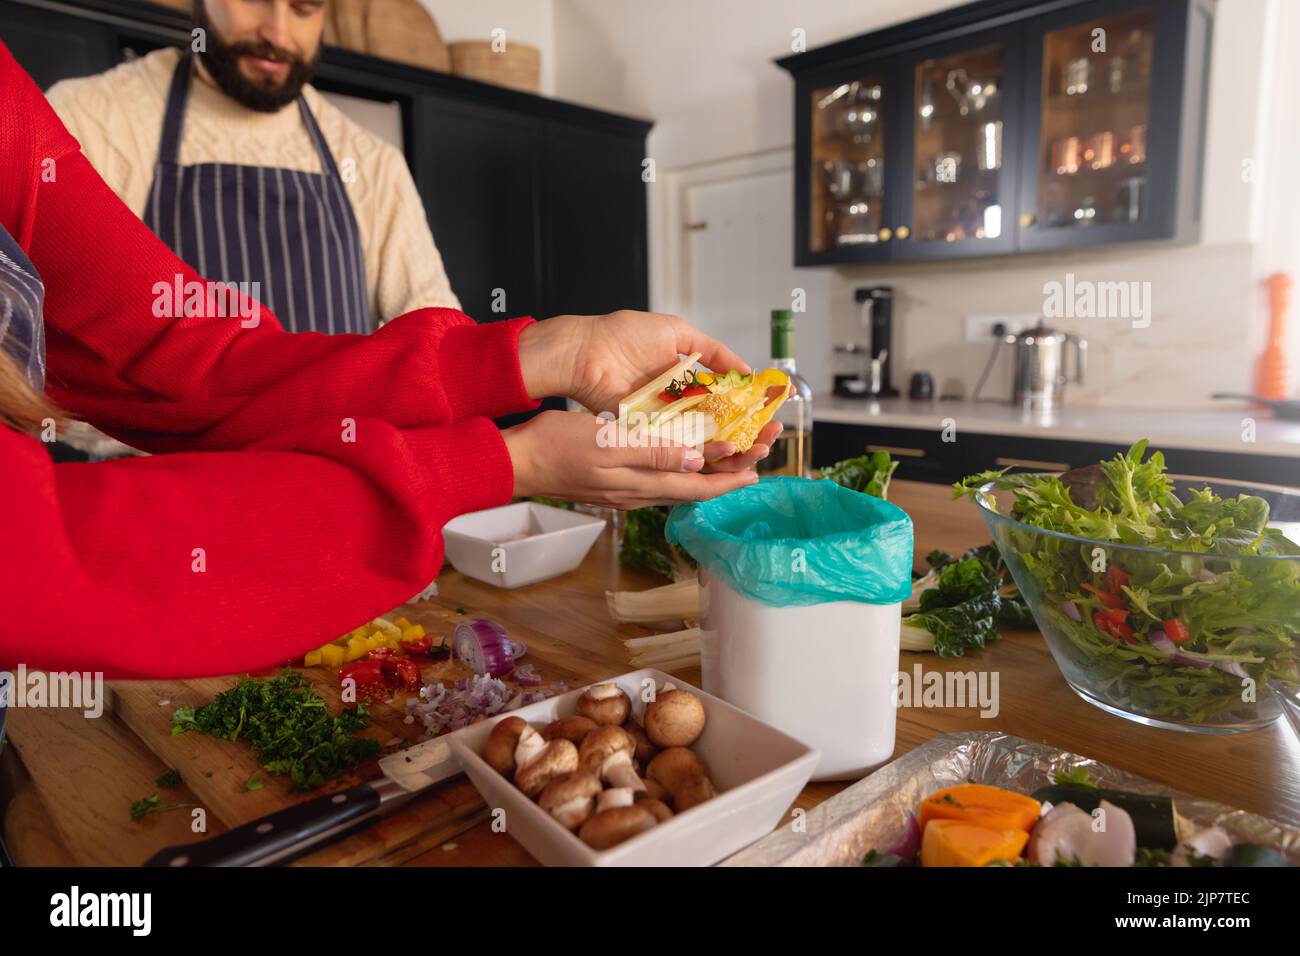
{"points": [[222, 62]]}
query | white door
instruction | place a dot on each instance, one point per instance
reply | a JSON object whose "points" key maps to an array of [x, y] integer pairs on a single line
{"points": [[740, 255]]}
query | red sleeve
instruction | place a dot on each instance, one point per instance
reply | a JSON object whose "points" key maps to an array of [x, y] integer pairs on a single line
{"points": [[205, 381], [300, 542]]}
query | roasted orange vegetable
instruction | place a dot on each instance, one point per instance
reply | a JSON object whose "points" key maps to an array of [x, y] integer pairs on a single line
{"points": [[957, 843], [982, 805]]}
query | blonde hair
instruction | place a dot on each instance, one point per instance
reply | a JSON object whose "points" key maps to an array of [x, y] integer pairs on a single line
{"points": [[22, 408]]}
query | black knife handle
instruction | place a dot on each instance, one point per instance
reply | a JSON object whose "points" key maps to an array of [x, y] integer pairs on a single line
{"points": [[278, 835]]}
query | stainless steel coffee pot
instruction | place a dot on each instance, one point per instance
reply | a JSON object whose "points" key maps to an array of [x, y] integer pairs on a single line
{"points": [[1039, 357]]}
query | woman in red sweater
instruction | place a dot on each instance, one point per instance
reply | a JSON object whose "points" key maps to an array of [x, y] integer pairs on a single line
{"points": [[310, 475]]}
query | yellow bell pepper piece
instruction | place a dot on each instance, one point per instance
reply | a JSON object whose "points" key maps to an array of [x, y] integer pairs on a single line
{"points": [[331, 655], [413, 632], [312, 659]]}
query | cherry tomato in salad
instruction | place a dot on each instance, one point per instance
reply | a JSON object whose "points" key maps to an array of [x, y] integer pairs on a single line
{"points": [[1110, 599], [1176, 630], [1116, 578]]}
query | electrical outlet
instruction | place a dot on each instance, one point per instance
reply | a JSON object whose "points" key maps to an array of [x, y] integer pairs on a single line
{"points": [[979, 328]]}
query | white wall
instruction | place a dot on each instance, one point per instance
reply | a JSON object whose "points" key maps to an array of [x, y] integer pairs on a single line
{"points": [[529, 21], [703, 72]]}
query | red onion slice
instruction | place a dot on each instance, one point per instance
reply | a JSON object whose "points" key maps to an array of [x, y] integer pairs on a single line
{"points": [[909, 844], [483, 647]]}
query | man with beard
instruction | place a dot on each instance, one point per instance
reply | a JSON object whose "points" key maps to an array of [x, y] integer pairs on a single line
{"points": [[251, 176]]}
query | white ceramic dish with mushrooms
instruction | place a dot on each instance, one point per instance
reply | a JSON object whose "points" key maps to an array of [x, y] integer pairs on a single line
{"points": [[634, 771]]}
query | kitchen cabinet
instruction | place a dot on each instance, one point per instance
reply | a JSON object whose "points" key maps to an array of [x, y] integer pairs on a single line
{"points": [[1002, 127], [538, 206], [923, 455]]}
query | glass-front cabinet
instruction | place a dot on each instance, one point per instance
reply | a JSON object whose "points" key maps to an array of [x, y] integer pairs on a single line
{"points": [[846, 175], [1060, 126], [959, 187]]}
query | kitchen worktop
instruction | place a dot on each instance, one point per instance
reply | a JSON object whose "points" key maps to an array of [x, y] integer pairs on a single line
{"points": [[1219, 430], [66, 782]]}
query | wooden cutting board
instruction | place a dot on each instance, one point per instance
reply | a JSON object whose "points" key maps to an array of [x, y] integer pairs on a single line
{"points": [[214, 772]]}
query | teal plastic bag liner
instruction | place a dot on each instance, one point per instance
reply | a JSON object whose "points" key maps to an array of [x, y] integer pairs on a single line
{"points": [[796, 541]]}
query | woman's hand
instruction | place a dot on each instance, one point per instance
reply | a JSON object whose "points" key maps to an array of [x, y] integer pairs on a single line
{"points": [[570, 455], [599, 359]]}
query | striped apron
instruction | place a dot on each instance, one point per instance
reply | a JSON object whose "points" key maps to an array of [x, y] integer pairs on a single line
{"points": [[291, 232], [22, 335]]}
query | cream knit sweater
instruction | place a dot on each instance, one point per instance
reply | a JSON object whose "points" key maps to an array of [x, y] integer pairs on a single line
{"points": [[117, 116]]}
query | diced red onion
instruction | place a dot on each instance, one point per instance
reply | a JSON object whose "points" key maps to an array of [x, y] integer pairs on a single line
{"points": [[1161, 642], [1205, 574], [526, 676], [1071, 610], [483, 646]]}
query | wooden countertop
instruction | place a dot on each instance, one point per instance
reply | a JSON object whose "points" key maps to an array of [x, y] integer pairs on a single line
{"points": [[51, 819]]}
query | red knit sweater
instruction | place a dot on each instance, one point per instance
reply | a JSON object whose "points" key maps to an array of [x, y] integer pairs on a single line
{"points": [[211, 560]]}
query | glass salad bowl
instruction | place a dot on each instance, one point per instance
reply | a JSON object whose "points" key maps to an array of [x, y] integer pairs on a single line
{"points": [[1179, 639]]}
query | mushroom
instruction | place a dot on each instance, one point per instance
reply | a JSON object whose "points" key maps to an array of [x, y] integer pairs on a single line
{"points": [[605, 704], [645, 747], [501, 743], [612, 827], [614, 797], [573, 728], [657, 807], [675, 718], [654, 790], [528, 746], [555, 758], [673, 767], [569, 798], [607, 752], [693, 791]]}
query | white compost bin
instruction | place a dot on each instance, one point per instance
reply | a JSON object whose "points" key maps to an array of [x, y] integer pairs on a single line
{"points": [[823, 673]]}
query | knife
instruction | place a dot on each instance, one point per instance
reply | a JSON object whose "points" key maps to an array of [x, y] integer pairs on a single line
{"points": [[289, 832]]}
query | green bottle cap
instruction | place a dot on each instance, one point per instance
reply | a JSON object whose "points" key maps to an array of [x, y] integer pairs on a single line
{"points": [[782, 334]]}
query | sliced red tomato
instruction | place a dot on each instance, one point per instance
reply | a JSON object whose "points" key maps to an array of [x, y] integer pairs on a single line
{"points": [[368, 678], [668, 396], [1116, 578], [418, 645], [1176, 630], [401, 673], [1111, 600]]}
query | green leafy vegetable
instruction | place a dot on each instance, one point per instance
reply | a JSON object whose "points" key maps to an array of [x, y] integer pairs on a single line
{"points": [[252, 783], [147, 806], [644, 545], [169, 778], [1079, 776], [963, 601], [289, 726], [869, 474]]}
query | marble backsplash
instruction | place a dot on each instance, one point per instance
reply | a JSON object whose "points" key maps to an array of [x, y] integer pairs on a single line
{"points": [[1202, 335]]}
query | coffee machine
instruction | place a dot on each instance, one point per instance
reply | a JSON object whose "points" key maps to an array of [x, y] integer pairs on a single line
{"points": [[876, 305]]}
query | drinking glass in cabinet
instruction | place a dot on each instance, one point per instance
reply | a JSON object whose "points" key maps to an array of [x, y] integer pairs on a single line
{"points": [[848, 162], [1096, 98], [958, 135]]}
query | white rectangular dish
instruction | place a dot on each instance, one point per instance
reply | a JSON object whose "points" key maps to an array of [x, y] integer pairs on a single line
{"points": [[519, 544], [757, 769]]}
